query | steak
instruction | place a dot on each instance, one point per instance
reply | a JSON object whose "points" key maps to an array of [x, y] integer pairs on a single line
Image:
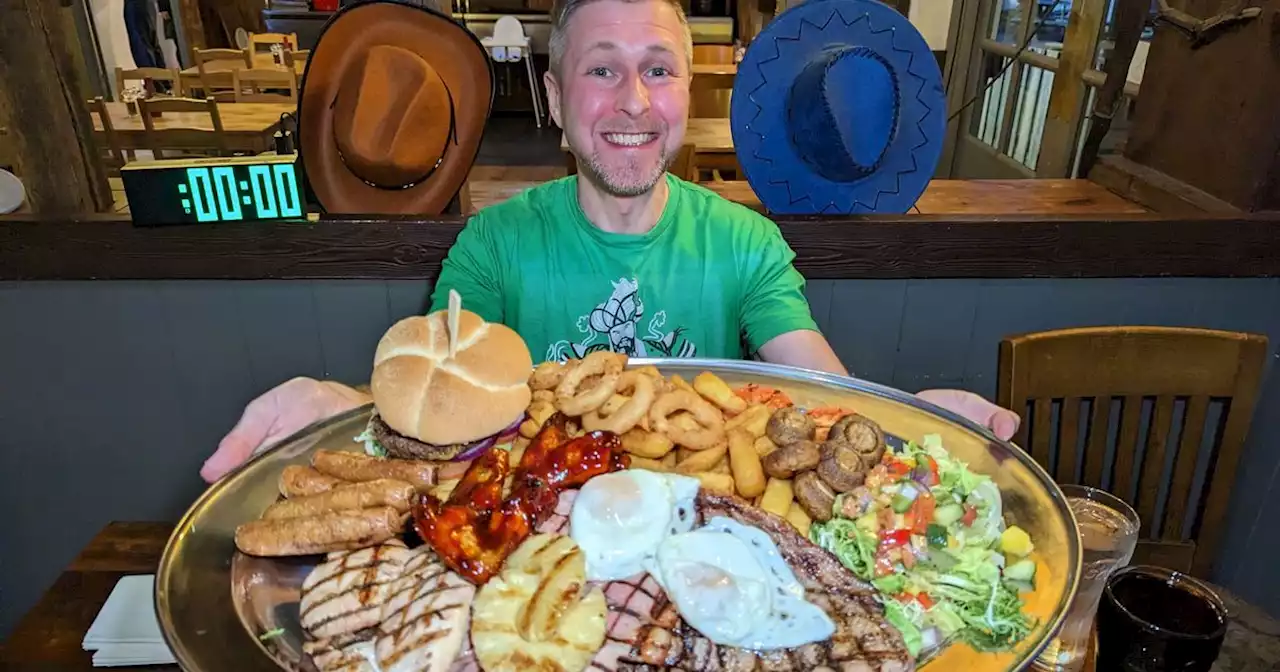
{"points": [[645, 631]]}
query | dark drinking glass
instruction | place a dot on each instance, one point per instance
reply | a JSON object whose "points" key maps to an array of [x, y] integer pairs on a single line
{"points": [[1157, 620]]}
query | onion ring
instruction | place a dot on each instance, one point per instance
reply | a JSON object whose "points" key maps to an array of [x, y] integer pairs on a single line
{"points": [[710, 419], [547, 375], [631, 413], [571, 401]]}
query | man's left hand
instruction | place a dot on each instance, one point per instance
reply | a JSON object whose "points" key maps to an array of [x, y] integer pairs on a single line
{"points": [[1002, 422]]}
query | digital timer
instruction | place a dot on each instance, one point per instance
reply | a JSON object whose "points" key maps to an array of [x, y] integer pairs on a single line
{"points": [[250, 188]]}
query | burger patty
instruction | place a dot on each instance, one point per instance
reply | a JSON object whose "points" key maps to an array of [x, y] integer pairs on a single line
{"points": [[405, 448]]}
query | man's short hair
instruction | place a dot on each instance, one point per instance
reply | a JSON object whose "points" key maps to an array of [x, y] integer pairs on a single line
{"points": [[563, 10]]}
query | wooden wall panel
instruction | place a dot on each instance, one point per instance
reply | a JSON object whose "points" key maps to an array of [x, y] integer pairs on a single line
{"points": [[114, 393]]}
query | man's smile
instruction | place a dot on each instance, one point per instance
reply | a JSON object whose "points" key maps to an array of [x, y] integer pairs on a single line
{"points": [[630, 140]]}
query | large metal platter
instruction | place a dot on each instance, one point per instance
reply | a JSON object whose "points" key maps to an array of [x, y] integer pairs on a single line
{"points": [[214, 603]]}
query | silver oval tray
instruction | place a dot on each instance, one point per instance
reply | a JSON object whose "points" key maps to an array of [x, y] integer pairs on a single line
{"points": [[222, 610]]}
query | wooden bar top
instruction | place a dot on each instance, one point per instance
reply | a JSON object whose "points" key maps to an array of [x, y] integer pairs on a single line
{"points": [[942, 197]]}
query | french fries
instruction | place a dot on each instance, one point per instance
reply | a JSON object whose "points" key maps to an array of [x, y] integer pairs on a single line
{"points": [[733, 466], [801, 520], [641, 443], [744, 462], [703, 460], [764, 445], [718, 392], [777, 496], [754, 420], [721, 483]]}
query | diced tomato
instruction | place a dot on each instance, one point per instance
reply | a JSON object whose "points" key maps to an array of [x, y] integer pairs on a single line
{"points": [[905, 598], [970, 515], [894, 538], [921, 513], [933, 471], [884, 564], [897, 469], [924, 600]]}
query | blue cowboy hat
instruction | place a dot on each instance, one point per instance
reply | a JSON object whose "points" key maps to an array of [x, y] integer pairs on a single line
{"points": [[838, 108]]}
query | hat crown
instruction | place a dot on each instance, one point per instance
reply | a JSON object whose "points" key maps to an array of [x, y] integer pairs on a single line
{"points": [[843, 111]]}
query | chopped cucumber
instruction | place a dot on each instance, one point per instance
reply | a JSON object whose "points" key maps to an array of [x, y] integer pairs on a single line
{"points": [[947, 514], [1022, 570]]}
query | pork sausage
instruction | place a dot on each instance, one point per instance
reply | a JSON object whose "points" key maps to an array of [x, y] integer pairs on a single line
{"points": [[358, 467], [299, 481], [382, 492], [335, 531]]}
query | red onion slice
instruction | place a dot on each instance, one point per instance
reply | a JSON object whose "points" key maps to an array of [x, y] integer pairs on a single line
{"points": [[478, 448]]}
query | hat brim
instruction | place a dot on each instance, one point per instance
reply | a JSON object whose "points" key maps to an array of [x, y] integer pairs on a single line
{"points": [[455, 54], [780, 177]]}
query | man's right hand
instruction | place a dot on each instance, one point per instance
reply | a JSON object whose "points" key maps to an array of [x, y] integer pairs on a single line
{"points": [[277, 414]]}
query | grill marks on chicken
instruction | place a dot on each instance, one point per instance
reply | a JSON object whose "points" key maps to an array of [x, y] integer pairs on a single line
{"points": [[388, 604]]}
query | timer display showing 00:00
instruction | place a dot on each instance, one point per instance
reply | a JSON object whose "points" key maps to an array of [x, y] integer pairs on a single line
{"points": [[215, 195]]}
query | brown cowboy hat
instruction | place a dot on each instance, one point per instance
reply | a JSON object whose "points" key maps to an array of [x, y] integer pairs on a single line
{"points": [[394, 103]]}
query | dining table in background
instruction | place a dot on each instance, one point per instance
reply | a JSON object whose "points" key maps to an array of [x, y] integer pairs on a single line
{"points": [[218, 73], [941, 197], [246, 127], [49, 636]]}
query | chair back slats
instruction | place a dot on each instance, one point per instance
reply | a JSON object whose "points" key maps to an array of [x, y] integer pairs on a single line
{"points": [[1157, 416]]}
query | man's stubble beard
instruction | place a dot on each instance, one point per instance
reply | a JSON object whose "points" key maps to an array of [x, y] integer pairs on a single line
{"points": [[599, 176]]}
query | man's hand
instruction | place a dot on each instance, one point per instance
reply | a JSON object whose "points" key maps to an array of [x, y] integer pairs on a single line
{"points": [[1002, 422], [277, 414]]}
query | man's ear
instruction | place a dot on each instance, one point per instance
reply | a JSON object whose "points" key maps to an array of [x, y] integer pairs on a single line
{"points": [[553, 97]]}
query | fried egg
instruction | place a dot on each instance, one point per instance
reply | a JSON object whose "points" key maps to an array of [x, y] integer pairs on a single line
{"points": [[619, 519], [730, 582]]}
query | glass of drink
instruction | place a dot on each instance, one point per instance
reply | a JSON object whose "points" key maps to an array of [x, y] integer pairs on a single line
{"points": [[1108, 534], [1153, 619]]}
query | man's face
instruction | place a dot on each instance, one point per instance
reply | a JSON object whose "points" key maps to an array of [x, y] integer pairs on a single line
{"points": [[622, 95]]}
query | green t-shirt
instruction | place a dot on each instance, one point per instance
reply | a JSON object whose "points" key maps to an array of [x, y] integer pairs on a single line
{"points": [[712, 279]]}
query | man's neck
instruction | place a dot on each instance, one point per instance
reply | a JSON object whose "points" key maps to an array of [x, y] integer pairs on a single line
{"points": [[632, 215]]}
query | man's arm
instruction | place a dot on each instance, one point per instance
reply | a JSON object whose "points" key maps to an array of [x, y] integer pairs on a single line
{"points": [[472, 267], [803, 348]]}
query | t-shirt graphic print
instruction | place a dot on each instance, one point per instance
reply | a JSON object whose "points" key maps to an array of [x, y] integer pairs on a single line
{"points": [[619, 324]]}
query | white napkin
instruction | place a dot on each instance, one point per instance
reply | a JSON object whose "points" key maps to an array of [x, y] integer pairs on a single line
{"points": [[126, 631]]}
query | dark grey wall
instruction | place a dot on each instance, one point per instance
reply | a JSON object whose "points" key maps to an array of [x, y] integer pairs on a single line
{"points": [[113, 393]]}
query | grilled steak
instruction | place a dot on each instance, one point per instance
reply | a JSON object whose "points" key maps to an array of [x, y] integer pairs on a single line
{"points": [[387, 604], [645, 631]]}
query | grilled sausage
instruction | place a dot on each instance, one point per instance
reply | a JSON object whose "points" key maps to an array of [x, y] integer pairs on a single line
{"points": [[336, 531], [299, 481], [358, 467], [383, 492]]}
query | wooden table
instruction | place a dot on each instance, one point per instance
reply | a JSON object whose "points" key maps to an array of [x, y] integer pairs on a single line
{"points": [[48, 638], [218, 73], [985, 197], [712, 137], [246, 126]]}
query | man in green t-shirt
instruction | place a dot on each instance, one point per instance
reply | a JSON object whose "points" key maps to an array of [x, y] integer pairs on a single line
{"points": [[624, 256]]}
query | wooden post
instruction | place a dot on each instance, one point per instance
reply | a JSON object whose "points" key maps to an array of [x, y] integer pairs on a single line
{"points": [[46, 117], [1066, 101]]}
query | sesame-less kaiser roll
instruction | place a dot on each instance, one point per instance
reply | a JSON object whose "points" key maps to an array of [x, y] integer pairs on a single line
{"points": [[448, 401]]}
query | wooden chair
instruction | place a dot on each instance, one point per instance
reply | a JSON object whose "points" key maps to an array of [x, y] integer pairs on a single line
{"points": [[216, 82], [262, 42], [112, 153], [149, 76], [191, 139], [253, 85], [1155, 415], [296, 56]]}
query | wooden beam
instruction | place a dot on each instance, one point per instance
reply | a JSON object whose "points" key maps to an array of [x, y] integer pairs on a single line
{"points": [[1153, 189], [1130, 17], [43, 110], [1066, 100]]}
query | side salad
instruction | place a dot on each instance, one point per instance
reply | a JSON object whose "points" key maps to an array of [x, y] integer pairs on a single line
{"points": [[930, 535]]}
